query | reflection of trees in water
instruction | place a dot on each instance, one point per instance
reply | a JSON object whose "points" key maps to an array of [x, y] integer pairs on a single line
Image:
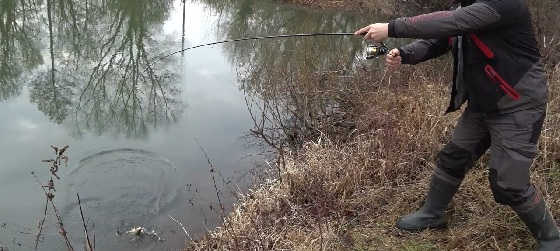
{"points": [[250, 17], [52, 96], [124, 90], [18, 50], [295, 86], [53, 100], [99, 62]]}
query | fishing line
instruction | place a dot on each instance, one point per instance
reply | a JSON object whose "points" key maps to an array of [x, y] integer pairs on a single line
{"points": [[254, 38]]}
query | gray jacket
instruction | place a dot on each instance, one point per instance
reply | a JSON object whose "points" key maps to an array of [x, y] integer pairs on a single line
{"points": [[496, 58]]}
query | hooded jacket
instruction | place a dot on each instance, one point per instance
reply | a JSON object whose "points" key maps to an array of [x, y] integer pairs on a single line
{"points": [[497, 64]]}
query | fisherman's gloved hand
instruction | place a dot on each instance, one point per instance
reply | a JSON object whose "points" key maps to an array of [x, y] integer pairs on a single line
{"points": [[393, 60], [377, 32]]}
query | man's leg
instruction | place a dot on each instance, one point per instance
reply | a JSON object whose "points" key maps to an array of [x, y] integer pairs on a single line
{"points": [[470, 140], [514, 146]]}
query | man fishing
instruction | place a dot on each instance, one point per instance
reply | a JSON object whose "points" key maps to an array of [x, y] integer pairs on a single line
{"points": [[497, 70]]}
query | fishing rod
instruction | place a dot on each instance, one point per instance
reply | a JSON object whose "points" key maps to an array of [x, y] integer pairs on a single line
{"points": [[371, 51]]}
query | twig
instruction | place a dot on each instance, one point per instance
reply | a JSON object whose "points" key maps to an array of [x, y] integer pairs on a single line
{"points": [[84, 223], [50, 193], [212, 170], [62, 231], [496, 244], [40, 226], [49, 196], [182, 227]]}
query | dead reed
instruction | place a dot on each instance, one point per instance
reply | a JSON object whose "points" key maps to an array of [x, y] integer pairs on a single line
{"points": [[347, 195], [60, 159], [367, 162], [49, 191]]}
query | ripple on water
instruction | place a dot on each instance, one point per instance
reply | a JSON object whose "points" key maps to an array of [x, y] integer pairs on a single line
{"points": [[123, 186]]}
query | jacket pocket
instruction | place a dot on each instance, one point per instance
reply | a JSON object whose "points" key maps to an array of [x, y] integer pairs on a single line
{"points": [[502, 83]]}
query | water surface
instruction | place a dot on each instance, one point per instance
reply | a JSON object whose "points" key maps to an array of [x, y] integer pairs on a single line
{"points": [[82, 73]]}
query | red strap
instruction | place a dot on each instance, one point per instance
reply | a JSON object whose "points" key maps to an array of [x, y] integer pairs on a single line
{"points": [[494, 76], [482, 46]]}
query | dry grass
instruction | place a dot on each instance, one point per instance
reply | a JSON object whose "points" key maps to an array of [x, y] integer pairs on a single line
{"points": [[346, 194], [384, 7], [352, 5]]}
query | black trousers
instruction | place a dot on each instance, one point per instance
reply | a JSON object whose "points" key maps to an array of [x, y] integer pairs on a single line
{"points": [[512, 141]]}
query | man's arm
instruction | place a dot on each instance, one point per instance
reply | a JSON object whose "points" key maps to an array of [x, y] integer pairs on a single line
{"points": [[422, 50], [442, 24]]}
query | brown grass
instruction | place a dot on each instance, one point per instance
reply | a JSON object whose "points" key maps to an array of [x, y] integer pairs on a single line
{"points": [[344, 190], [384, 7]]}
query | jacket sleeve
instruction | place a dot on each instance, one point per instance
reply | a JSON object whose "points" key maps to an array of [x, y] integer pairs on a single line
{"points": [[476, 17], [422, 50]]}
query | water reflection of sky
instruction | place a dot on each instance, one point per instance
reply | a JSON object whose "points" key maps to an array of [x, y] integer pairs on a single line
{"points": [[215, 114]]}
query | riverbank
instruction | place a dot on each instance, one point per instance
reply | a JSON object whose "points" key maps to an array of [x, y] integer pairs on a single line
{"points": [[344, 189], [357, 5]]}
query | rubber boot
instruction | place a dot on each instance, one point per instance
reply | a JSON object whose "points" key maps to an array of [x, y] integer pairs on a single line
{"points": [[432, 213], [542, 226]]}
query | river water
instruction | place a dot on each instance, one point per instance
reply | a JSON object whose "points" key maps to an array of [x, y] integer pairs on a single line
{"points": [[88, 74]]}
